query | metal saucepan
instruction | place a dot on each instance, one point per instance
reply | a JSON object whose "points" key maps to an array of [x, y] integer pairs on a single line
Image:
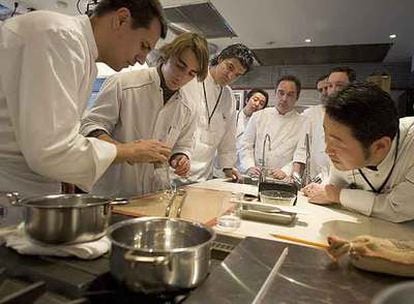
{"points": [[160, 255], [65, 218]]}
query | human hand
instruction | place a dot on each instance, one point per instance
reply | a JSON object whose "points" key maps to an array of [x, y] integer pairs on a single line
{"points": [[233, 173], [322, 194], [143, 151], [278, 174], [181, 164], [254, 171]]}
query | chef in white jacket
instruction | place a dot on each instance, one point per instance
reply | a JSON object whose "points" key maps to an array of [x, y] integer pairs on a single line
{"points": [[216, 129], [281, 126], [256, 99], [372, 155], [336, 80], [47, 68], [145, 105]]}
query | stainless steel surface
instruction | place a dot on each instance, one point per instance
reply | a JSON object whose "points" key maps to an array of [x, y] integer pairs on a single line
{"points": [[155, 254], [401, 293], [265, 287], [66, 218]]}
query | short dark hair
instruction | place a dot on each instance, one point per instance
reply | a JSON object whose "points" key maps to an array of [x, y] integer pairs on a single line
{"points": [[142, 12], [347, 70], [292, 79], [254, 91], [238, 51], [367, 110], [323, 77]]}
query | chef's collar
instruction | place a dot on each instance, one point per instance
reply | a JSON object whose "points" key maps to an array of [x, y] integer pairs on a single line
{"points": [[286, 115], [90, 38], [166, 92]]}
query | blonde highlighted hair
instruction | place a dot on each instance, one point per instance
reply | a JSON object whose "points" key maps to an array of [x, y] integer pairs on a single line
{"points": [[192, 41]]}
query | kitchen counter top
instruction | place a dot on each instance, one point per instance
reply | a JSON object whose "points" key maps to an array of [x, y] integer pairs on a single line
{"points": [[314, 222], [306, 276]]}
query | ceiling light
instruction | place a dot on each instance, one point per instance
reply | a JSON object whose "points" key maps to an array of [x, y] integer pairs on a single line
{"points": [[308, 40], [393, 36]]}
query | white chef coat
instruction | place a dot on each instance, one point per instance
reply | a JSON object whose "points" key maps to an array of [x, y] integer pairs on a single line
{"points": [[319, 160], [47, 70], [241, 123], [130, 107], [216, 138], [395, 202], [284, 132]]}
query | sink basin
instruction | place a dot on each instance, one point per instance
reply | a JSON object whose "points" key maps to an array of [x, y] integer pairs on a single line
{"points": [[247, 180]]}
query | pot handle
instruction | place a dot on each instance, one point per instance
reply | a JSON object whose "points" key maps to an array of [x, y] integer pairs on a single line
{"points": [[13, 197], [119, 201], [157, 260]]}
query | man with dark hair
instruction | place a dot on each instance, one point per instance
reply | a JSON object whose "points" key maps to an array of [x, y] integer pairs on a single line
{"points": [[255, 100], [279, 127], [149, 105], [337, 79], [322, 87], [372, 155], [215, 134], [48, 65]]}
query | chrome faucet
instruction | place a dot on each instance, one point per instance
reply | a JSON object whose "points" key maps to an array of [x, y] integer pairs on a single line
{"points": [[306, 176], [262, 177]]}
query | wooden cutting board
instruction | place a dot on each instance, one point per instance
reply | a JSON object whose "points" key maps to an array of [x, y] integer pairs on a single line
{"points": [[201, 205]]}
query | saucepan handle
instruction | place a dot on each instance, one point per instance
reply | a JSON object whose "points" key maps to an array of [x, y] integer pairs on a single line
{"points": [[157, 260], [13, 197], [119, 201]]}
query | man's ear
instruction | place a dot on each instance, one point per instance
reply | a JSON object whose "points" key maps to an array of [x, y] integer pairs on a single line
{"points": [[381, 145], [121, 17]]}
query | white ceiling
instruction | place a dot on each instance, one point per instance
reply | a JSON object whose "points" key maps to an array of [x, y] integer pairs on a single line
{"points": [[286, 23]]}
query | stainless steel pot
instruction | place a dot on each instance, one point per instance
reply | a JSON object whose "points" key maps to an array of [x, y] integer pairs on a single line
{"points": [[158, 255], [65, 218]]}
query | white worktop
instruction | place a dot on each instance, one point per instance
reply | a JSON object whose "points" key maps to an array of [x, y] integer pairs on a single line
{"points": [[314, 222]]}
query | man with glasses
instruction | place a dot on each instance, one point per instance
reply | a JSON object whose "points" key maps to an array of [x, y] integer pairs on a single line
{"points": [[336, 80], [215, 134], [149, 106], [276, 130]]}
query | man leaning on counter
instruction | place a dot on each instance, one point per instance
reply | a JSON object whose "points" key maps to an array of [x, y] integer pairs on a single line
{"points": [[372, 157], [48, 65]]}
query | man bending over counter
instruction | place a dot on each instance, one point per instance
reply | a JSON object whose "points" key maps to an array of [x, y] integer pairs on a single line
{"points": [[48, 65], [148, 106], [372, 155]]}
